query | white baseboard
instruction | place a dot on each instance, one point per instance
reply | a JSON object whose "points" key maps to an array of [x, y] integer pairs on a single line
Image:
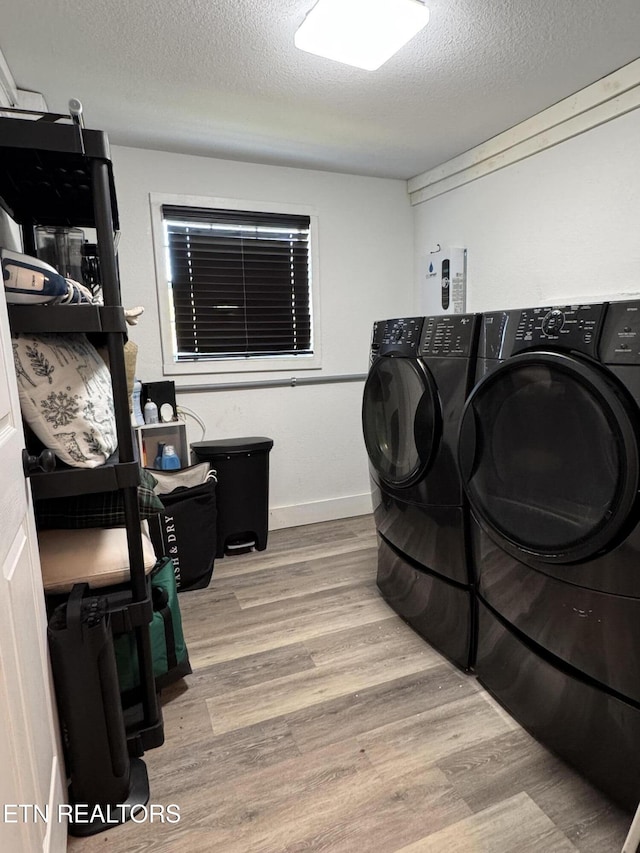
{"points": [[311, 513]]}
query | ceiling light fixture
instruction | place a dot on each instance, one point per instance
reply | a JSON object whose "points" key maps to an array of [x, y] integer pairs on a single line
{"points": [[364, 33]]}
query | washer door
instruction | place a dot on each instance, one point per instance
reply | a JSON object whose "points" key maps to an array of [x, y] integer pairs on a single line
{"points": [[548, 456], [401, 419]]}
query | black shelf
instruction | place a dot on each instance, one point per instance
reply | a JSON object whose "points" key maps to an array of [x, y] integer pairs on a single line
{"points": [[140, 735], [53, 172], [67, 318], [64, 482], [45, 171], [55, 132]]}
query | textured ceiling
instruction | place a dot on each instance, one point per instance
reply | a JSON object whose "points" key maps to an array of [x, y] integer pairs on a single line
{"points": [[223, 78]]}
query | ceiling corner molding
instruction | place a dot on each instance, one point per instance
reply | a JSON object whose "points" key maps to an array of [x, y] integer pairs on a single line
{"points": [[8, 88], [11, 96], [31, 101], [608, 98]]}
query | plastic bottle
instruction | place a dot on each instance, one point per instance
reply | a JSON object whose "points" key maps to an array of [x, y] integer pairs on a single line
{"points": [[170, 459], [150, 412], [157, 462], [137, 418]]}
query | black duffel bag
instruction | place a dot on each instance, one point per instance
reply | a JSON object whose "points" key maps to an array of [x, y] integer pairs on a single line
{"points": [[187, 532]]}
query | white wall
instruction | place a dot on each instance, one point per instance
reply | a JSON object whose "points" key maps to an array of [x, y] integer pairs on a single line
{"points": [[318, 464], [562, 224]]}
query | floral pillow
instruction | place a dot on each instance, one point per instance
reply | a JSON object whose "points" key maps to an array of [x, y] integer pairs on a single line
{"points": [[66, 396]]}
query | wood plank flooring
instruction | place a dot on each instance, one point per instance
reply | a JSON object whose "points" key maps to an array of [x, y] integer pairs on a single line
{"points": [[316, 720]]}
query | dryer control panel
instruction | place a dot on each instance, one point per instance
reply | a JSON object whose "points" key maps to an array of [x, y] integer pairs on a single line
{"points": [[572, 327], [568, 327], [397, 337], [452, 335], [620, 343]]}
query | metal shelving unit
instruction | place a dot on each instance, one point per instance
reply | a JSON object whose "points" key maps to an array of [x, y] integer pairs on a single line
{"points": [[54, 172]]}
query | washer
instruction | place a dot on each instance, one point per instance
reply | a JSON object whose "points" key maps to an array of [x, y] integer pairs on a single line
{"points": [[420, 374], [549, 456]]}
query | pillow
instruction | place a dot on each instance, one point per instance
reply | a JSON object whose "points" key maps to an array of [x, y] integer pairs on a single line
{"points": [[66, 396], [102, 509], [97, 557]]}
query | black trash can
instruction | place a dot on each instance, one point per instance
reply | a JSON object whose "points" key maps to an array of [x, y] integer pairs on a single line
{"points": [[242, 469]]}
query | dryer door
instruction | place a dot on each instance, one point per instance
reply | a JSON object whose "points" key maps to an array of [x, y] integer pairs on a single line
{"points": [[548, 455], [401, 419]]}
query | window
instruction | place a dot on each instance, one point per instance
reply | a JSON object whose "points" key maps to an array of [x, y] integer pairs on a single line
{"points": [[237, 283]]}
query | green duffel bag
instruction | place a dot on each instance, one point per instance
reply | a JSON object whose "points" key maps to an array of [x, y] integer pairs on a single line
{"points": [[168, 647]]}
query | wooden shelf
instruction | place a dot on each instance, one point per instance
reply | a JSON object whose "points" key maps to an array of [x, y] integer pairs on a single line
{"points": [[150, 435]]}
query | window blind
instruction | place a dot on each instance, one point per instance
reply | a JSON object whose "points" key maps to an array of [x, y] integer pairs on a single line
{"points": [[240, 282]]}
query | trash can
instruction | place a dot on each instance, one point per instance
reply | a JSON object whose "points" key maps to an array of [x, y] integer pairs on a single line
{"points": [[242, 470]]}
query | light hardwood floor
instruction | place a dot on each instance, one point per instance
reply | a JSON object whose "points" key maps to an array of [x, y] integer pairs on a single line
{"points": [[316, 720]]}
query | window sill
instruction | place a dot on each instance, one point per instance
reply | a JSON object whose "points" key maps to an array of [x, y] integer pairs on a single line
{"points": [[240, 365]]}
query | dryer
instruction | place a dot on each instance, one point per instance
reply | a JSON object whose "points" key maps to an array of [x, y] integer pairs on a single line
{"points": [[549, 455], [420, 373]]}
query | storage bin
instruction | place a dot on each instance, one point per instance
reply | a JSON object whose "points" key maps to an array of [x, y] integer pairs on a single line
{"points": [[186, 530]]}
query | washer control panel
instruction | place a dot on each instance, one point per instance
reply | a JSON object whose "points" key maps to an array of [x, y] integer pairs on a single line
{"points": [[553, 322], [400, 336], [574, 327], [448, 335], [620, 342]]}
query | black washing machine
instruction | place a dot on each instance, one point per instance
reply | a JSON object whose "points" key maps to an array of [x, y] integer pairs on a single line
{"points": [[549, 457], [420, 374]]}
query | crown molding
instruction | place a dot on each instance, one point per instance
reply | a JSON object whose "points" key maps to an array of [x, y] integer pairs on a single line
{"points": [[8, 88], [12, 96], [603, 101]]}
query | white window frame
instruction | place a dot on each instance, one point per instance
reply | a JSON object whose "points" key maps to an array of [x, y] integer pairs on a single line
{"points": [[252, 364]]}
